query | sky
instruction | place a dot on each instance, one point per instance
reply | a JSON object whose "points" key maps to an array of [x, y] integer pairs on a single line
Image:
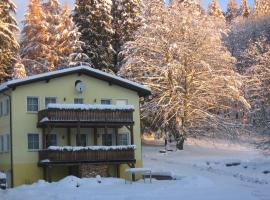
{"points": [[22, 5]]}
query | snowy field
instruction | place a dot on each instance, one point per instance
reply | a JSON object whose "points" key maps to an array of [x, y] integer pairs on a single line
{"points": [[200, 172]]}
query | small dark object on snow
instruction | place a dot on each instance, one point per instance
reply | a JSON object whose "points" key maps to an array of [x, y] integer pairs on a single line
{"points": [[162, 151], [245, 167], [77, 185], [170, 150], [232, 164], [208, 163], [266, 172]]}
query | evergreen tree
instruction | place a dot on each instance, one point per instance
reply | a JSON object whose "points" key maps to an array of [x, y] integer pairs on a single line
{"points": [[232, 11], [52, 11], [19, 70], [94, 20], [245, 9], [33, 49], [262, 7], [8, 41], [127, 18], [69, 47], [215, 10]]}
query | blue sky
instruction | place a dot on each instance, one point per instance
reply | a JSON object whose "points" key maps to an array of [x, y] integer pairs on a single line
{"points": [[22, 5]]}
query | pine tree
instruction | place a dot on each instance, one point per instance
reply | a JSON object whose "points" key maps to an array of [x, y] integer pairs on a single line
{"points": [[262, 7], [8, 41], [69, 47], [127, 18], [33, 49], [52, 11], [19, 70], [215, 10], [94, 20], [232, 11], [245, 9]]}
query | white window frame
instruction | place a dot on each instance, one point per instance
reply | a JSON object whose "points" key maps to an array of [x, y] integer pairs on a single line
{"points": [[6, 143], [49, 98], [121, 100], [77, 99], [106, 99], [27, 104], [38, 141], [123, 133]]}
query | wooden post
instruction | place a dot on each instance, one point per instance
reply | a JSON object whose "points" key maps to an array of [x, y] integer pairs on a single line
{"points": [[116, 136], [133, 175], [106, 133], [131, 135], [44, 138], [95, 135], [78, 139], [68, 137], [49, 174], [45, 173]]}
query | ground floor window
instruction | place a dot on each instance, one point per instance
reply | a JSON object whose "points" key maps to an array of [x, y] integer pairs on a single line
{"points": [[107, 139], [123, 139], [52, 139], [33, 141]]}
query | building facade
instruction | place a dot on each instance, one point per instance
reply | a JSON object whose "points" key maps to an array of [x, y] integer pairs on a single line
{"points": [[77, 121]]}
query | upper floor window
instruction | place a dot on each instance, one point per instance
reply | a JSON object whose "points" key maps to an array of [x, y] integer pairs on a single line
{"points": [[32, 104], [78, 100], [83, 140], [33, 141], [52, 139], [106, 101], [107, 139], [49, 100], [1, 108], [123, 139], [6, 107], [121, 102]]}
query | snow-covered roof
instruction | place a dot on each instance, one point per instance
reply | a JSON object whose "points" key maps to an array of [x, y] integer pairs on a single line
{"points": [[141, 89], [90, 107]]}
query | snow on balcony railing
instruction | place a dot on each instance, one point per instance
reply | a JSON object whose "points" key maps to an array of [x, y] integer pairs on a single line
{"points": [[90, 107], [93, 148]]}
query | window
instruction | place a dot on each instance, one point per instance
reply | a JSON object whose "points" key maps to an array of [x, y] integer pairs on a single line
{"points": [[6, 111], [121, 102], [78, 101], [107, 139], [106, 101], [52, 139], [32, 104], [123, 139], [49, 100], [1, 108], [33, 141], [1, 143], [83, 140]]}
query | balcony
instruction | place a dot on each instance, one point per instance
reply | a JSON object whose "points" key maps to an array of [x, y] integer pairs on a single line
{"points": [[68, 114], [92, 154]]}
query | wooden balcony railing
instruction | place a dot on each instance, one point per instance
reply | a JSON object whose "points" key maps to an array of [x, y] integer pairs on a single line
{"points": [[99, 116], [86, 156]]}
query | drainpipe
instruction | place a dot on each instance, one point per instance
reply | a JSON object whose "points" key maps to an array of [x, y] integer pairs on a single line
{"points": [[10, 138]]}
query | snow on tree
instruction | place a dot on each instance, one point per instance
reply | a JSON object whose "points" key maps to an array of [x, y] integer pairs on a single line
{"points": [[34, 38], [180, 55], [262, 8], [257, 64], [8, 41], [94, 21], [68, 46], [19, 70], [245, 9], [232, 11], [215, 10], [127, 18], [52, 11]]}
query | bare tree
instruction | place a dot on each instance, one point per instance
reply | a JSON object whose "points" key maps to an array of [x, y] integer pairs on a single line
{"points": [[180, 55]]}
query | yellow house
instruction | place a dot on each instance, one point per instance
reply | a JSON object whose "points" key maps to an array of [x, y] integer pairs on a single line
{"points": [[76, 121]]}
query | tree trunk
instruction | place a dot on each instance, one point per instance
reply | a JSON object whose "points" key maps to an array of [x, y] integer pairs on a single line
{"points": [[180, 143]]}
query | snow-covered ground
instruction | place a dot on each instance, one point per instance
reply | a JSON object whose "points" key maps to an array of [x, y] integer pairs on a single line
{"points": [[200, 171]]}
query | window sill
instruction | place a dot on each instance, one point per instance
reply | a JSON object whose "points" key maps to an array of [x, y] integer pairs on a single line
{"points": [[32, 112], [34, 150]]}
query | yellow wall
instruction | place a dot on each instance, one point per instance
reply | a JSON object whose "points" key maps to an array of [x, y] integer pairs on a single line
{"points": [[63, 88]]}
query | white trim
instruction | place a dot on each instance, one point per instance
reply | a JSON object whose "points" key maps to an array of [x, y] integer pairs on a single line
{"points": [[32, 112]]}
